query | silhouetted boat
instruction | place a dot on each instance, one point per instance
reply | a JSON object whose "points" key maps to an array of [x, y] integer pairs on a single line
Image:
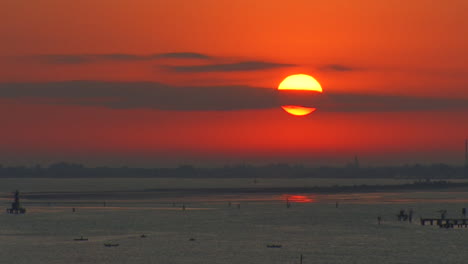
{"points": [[81, 239], [111, 245], [274, 246], [143, 236]]}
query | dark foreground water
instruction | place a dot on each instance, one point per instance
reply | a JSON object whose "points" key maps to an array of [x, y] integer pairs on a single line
{"points": [[312, 226]]}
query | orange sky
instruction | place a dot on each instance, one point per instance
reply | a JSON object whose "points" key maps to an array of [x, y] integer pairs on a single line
{"points": [[407, 48]]}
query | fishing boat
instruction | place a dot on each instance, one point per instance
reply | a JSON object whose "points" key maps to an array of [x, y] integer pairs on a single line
{"points": [[111, 244], [274, 246], [80, 239]]}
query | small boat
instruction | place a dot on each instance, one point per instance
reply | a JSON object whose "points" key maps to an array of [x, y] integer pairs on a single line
{"points": [[80, 239], [274, 246], [111, 245], [143, 236], [192, 239]]}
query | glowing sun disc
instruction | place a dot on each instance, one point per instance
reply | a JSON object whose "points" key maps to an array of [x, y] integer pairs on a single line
{"points": [[299, 82], [302, 82], [298, 110]]}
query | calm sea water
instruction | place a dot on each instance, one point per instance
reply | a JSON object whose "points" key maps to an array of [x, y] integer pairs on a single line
{"points": [[312, 226]]}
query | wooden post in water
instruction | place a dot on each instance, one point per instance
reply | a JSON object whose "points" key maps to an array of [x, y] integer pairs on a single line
{"points": [[301, 259]]}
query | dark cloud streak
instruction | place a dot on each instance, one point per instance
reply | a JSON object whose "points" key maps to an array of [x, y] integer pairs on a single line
{"points": [[347, 102], [229, 67], [125, 57], [184, 55], [337, 68], [144, 95], [134, 95]]}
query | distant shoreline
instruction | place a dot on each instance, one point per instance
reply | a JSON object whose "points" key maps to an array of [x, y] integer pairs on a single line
{"points": [[166, 192], [64, 170]]}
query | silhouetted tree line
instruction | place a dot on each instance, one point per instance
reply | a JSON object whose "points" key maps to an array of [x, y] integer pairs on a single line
{"points": [[71, 170]]}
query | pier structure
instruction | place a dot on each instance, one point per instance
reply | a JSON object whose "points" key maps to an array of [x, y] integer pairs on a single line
{"points": [[446, 222], [16, 206], [402, 215]]}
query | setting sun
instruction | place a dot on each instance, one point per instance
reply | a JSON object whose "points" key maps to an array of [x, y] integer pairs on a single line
{"points": [[298, 110], [299, 82]]}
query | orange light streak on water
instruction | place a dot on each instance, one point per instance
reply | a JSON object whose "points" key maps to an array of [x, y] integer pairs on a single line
{"points": [[298, 198]]}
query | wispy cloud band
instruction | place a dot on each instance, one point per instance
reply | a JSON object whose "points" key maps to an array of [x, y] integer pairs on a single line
{"points": [[125, 57], [229, 67]]}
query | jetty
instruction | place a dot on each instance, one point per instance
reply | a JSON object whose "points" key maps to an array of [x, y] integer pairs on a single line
{"points": [[446, 222]]}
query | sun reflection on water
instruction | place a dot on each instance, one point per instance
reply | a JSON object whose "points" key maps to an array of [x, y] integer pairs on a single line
{"points": [[298, 198]]}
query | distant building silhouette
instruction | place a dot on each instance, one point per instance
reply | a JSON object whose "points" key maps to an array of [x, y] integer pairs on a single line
{"points": [[466, 153], [356, 162], [351, 169]]}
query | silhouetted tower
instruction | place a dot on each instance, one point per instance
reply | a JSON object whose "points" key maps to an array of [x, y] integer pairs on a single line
{"points": [[466, 157], [466, 153], [15, 206], [356, 162]]}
